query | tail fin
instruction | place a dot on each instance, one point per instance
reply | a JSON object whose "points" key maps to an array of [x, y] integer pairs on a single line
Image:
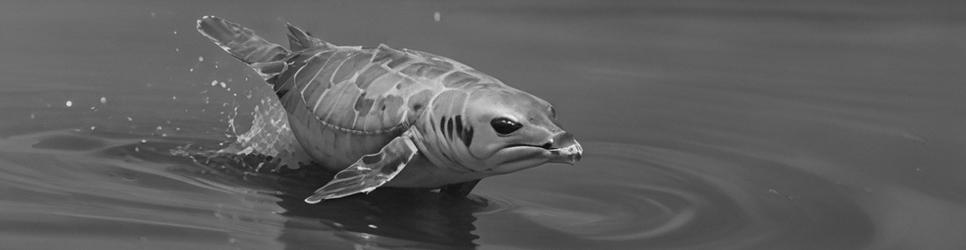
{"points": [[242, 43], [298, 39]]}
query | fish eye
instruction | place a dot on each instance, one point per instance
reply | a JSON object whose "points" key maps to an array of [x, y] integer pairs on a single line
{"points": [[504, 125]]}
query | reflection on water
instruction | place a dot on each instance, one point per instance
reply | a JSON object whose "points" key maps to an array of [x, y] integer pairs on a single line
{"points": [[707, 125], [633, 196]]}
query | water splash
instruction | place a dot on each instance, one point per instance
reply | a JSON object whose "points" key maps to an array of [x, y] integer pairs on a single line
{"points": [[269, 135]]}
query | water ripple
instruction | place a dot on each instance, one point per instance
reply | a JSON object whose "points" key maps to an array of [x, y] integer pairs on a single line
{"points": [[627, 195]]}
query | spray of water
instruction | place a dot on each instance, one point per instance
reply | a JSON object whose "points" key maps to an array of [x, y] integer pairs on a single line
{"points": [[269, 135], [269, 141]]}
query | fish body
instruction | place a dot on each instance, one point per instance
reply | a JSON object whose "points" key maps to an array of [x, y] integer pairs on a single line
{"points": [[397, 117]]}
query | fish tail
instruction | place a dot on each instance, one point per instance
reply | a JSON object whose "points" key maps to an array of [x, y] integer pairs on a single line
{"points": [[265, 57]]}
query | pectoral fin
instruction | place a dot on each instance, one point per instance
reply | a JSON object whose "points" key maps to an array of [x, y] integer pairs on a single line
{"points": [[370, 171]]}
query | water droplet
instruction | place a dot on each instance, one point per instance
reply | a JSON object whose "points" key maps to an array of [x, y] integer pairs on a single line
{"points": [[191, 70], [373, 226], [69, 103], [137, 149], [143, 141], [130, 119], [201, 59], [214, 82], [174, 32], [103, 100], [159, 128], [223, 84], [174, 97], [177, 49], [93, 128], [436, 16]]}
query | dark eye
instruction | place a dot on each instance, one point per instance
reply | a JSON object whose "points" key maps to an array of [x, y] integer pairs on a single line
{"points": [[504, 125]]}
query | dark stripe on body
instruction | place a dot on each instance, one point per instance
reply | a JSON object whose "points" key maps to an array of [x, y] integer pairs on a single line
{"points": [[442, 123], [449, 128], [459, 124], [467, 136]]}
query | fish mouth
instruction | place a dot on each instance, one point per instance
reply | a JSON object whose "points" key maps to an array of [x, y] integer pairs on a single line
{"points": [[569, 154], [563, 148]]}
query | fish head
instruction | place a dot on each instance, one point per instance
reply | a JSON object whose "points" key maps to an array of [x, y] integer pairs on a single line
{"points": [[513, 130]]}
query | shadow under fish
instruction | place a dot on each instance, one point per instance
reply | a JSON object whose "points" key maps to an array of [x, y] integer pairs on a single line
{"points": [[387, 217]]}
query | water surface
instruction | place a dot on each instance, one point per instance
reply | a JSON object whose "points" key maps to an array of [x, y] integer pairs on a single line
{"points": [[707, 125]]}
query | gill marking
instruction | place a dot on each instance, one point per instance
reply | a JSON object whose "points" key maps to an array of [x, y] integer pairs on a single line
{"points": [[463, 132], [442, 121], [467, 139], [456, 125]]}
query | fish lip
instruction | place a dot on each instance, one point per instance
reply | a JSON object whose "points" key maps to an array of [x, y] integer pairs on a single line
{"points": [[570, 154]]}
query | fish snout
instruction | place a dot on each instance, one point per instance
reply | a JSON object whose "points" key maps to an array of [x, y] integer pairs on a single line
{"points": [[564, 148]]}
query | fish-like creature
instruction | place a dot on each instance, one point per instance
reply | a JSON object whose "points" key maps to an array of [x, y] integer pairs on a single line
{"points": [[397, 117]]}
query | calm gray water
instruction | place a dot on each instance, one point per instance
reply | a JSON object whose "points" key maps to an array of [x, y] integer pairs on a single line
{"points": [[706, 124]]}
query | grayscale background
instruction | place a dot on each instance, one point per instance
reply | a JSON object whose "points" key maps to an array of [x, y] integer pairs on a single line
{"points": [[706, 125]]}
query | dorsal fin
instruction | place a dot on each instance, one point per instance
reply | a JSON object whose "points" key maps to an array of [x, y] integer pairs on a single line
{"points": [[298, 39]]}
